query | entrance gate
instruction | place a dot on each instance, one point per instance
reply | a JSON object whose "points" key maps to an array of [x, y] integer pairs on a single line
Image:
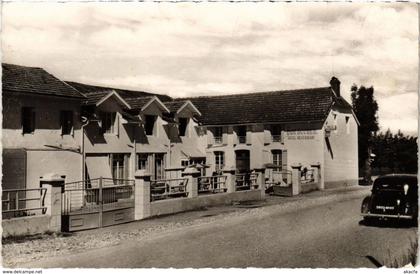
{"points": [[97, 203]]}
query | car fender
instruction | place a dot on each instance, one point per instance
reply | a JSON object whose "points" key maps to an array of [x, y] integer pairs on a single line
{"points": [[366, 204]]}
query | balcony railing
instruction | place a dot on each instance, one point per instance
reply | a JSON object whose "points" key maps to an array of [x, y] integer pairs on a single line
{"points": [[23, 202], [211, 184], [242, 139], [277, 138], [168, 188], [218, 139], [246, 181]]}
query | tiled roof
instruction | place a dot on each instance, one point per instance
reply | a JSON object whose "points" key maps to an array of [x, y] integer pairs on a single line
{"points": [[138, 102], [35, 80], [174, 106], [124, 93], [304, 105], [94, 97]]}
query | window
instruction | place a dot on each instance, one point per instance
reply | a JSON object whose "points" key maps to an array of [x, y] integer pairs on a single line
{"points": [[66, 120], [347, 124], [28, 120], [108, 122], [149, 124], [185, 162], [218, 135], [335, 124], [183, 123], [219, 160], [277, 159], [276, 133], [241, 132], [142, 162], [159, 170], [120, 166]]}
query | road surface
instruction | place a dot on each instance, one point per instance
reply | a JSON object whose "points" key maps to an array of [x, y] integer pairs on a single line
{"points": [[323, 236]]}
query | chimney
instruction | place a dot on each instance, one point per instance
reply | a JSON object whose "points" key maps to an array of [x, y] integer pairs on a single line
{"points": [[335, 85]]}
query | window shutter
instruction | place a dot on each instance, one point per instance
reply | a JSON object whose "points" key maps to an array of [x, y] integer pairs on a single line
{"points": [[249, 135], [117, 124], [126, 165], [225, 135], [267, 137], [62, 122], [33, 121], [210, 138], [284, 159]]}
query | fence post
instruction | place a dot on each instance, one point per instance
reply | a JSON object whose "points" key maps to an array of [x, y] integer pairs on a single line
{"points": [[191, 174], [317, 168], [230, 180], [54, 185], [296, 179], [261, 180], [141, 195]]}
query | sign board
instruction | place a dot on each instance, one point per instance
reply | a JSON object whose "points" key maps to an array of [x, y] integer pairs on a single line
{"points": [[301, 135]]}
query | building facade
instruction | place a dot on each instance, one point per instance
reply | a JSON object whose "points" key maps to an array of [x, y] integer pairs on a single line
{"points": [[85, 132]]}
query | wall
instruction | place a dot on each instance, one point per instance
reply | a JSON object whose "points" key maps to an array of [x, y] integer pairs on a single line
{"points": [[42, 148], [26, 225], [341, 152], [41, 162], [48, 128], [172, 206], [305, 147]]}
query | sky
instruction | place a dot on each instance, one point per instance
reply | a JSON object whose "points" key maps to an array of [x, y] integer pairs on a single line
{"points": [[191, 49]]}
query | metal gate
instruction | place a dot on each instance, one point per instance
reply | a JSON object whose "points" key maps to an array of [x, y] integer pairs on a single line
{"points": [[97, 203]]}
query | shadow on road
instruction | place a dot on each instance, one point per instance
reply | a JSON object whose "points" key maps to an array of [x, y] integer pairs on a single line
{"points": [[388, 223]]}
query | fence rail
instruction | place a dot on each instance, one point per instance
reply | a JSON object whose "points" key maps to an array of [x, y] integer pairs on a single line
{"points": [[212, 184], [246, 181], [23, 202], [279, 177], [98, 194], [307, 176], [168, 188]]}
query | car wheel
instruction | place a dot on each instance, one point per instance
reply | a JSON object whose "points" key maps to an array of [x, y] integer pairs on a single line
{"points": [[365, 205]]}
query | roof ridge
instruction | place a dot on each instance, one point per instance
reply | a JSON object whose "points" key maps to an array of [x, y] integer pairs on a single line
{"points": [[22, 66], [252, 93]]}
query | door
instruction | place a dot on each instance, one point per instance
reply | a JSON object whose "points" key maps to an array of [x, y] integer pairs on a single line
{"points": [[242, 161]]}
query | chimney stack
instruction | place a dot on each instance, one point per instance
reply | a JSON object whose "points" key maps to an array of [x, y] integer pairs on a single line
{"points": [[335, 85]]}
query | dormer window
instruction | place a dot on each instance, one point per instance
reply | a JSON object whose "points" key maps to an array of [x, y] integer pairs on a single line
{"points": [[108, 122], [218, 135], [276, 133], [241, 132], [183, 124], [149, 124]]}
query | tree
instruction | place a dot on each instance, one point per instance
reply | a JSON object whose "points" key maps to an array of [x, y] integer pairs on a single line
{"points": [[365, 107]]}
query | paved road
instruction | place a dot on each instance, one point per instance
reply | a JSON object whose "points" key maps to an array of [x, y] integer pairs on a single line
{"points": [[323, 236]]}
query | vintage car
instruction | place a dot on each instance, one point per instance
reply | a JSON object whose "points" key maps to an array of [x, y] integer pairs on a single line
{"points": [[393, 197]]}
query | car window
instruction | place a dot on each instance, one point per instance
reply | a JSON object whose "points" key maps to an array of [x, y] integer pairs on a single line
{"points": [[395, 183]]}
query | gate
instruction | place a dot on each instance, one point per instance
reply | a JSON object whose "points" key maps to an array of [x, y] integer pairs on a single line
{"points": [[97, 203]]}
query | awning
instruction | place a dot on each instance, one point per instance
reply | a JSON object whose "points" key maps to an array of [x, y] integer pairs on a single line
{"points": [[130, 119], [192, 152], [98, 166]]}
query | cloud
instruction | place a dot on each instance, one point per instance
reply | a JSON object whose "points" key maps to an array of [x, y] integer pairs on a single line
{"points": [[190, 49]]}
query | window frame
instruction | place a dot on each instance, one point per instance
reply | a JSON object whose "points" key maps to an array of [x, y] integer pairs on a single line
{"points": [[146, 124], [28, 129], [219, 160], [183, 131], [218, 135], [108, 117], [67, 116]]}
